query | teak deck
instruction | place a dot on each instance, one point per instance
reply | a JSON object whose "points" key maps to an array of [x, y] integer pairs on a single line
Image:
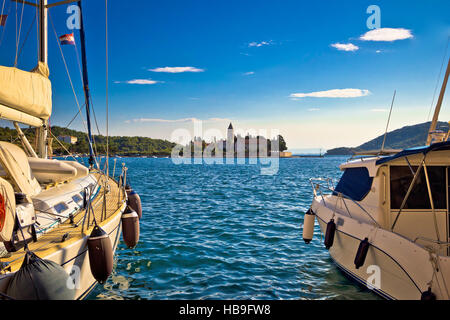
{"points": [[52, 241]]}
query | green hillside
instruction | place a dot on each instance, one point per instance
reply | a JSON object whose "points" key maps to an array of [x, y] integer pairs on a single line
{"points": [[406, 137], [117, 144]]}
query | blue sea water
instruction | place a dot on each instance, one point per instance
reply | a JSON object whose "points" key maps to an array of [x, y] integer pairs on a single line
{"points": [[226, 232]]}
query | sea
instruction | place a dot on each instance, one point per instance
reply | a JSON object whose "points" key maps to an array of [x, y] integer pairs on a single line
{"points": [[226, 231]]}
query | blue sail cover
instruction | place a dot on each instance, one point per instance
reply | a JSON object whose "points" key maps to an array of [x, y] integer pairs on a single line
{"points": [[355, 183], [424, 150]]}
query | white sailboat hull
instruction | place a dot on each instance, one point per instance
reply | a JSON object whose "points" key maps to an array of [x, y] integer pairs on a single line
{"points": [[76, 255], [72, 254]]}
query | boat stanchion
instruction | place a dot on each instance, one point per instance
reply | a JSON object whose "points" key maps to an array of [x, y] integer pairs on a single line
{"points": [[428, 295], [329, 234], [134, 200], [39, 279], [100, 254], [308, 226], [130, 227], [361, 254]]}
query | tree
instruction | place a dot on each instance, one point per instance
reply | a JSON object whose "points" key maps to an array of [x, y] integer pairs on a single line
{"points": [[282, 143]]}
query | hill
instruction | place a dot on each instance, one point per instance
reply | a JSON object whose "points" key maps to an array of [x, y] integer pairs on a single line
{"points": [[120, 145], [406, 137]]}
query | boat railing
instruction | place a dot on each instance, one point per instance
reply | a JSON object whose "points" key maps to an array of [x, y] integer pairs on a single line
{"points": [[438, 242], [318, 184]]}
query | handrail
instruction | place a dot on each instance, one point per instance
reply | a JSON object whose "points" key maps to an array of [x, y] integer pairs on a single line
{"points": [[438, 242], [319, 186]]}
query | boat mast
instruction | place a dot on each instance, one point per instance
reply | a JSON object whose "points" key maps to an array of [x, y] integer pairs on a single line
{"points": [[86, 86], [439, 104], [43, 57]]}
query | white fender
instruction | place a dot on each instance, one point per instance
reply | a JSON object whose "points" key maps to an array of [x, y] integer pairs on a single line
{"points": [[308, 226]]}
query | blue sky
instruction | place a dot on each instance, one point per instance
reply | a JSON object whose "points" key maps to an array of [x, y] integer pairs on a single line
{"points": [[250, 59]]}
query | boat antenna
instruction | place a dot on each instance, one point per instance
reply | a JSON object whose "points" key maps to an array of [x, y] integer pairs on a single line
{"points": [[86, 86], [439, 104], [387, 124]]}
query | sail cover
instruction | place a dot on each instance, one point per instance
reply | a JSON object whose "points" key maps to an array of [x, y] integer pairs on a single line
{"points": [[29, 92]]}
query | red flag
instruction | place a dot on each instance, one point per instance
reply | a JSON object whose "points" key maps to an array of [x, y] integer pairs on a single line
{"points": [[67, 39], [3, 19]]}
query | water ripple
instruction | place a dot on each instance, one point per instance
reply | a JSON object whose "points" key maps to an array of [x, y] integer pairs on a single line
{"points": [[226, 232]]}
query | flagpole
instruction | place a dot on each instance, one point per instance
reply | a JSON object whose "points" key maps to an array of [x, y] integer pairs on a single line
{"points": [[86, 86]]}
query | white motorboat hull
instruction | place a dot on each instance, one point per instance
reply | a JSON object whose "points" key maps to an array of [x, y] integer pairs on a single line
{"points": [[403, 267]]}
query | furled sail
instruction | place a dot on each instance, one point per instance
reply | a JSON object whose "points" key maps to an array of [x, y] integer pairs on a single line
{"points": [[28, 92]]}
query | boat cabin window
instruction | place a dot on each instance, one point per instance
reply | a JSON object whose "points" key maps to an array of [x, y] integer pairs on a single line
{"points": [[355, 183], [61, 207], [77, 199], [401, 178]]}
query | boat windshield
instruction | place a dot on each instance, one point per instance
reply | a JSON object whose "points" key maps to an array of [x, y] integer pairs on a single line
{"points": [[355, 183]]}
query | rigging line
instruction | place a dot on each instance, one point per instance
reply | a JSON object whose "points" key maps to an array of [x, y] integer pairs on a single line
{"points": [[76, 115], [107, 106], [96, 124], [79, 63], [16, 24], [90, 98], [389, 120], [95, 117], [26, 37], [37, 30], [57, 140], [1, 15], [73, 90], [4, 28], [18, 37], [68, 73], [438, 78], [3, 7]]}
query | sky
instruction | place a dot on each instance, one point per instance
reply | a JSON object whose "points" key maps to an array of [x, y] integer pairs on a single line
{"points": [[316, 71]]}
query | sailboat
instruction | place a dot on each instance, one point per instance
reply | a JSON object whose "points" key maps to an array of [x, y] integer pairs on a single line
{"points": [[386, 222], [60, 221]]}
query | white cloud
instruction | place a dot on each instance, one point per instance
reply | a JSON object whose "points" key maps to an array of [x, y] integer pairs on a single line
{"points": [[139, 81], [177, 69], [143, 120], [387, 34], [335, 93], [313, 109], [259, 44], [379, 110], [249, 73], [218, 120], [345, 46]]}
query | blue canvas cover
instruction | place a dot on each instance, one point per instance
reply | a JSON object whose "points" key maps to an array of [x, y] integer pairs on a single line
{"points": [[355, 183], [424, 150]]}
